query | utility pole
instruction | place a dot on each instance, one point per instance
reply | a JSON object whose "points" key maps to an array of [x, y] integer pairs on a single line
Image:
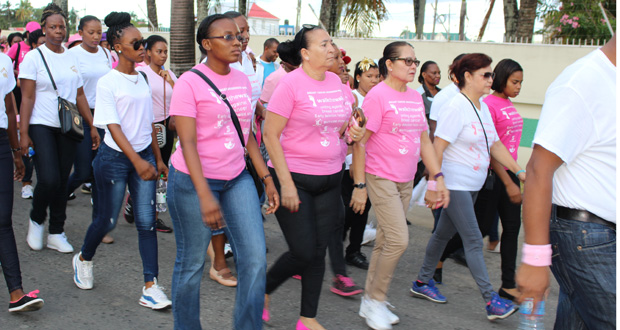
{"points": [[434, 20], [462, 21], [298, 21]]}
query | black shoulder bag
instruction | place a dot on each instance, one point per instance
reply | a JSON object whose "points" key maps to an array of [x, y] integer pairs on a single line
{"points": [[490, 181], [71, 122], [248, 161]]}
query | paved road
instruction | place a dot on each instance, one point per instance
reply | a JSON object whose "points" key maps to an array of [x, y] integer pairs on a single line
{"points": [[113, 303]]}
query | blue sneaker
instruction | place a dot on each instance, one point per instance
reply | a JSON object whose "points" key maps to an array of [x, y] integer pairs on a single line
{"points": [[500, 308], [428, 291]]}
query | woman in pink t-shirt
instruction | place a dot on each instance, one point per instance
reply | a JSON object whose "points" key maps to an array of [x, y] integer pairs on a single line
{"points": [[208, 187], [305, 120], [505, 198], [396, 136]]}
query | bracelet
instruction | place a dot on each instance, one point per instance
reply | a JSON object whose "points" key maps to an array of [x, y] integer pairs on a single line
{"points": [[519, 172], [536, 255], [16, 149], [265, 178], [431, 186], [438, 175]]}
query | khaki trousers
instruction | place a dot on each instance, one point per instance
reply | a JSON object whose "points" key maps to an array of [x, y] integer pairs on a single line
{"points": [[390, 200]]}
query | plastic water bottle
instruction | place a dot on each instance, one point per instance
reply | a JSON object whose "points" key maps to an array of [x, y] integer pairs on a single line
{"points": [[30, 152], [530, 319], [160, 195]]}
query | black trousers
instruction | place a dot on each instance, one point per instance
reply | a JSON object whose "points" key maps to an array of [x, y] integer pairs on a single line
{"points": [[307, 233]]}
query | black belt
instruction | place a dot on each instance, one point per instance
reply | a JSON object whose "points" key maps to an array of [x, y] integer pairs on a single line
{"points": [[581, 215]]}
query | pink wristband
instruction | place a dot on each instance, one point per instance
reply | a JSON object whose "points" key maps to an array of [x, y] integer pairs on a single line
{"points": [[536, 255], [431, 185]]}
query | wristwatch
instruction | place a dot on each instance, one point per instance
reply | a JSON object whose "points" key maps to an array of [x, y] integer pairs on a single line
{"points": [[359, 185]]}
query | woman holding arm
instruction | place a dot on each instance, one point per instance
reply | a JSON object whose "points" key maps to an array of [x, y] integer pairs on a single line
{"points": [[305, 121], [209, 187], [40, 128], [396, 136], [465, 140], [129, 156]]}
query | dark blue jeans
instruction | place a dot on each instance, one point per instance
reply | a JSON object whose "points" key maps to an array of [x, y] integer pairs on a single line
{"points": [[8, 249], [584, 264], [83, 163], [244, 229], [113, 173], [54, 154]]}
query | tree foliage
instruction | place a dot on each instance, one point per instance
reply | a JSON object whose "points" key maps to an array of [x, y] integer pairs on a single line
{"points": [[577, 19], [361, 17]]}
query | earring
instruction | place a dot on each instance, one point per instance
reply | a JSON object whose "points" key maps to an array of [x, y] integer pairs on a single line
{"points": [[307, 59], [357, 80], [120, 52], [390, 69]]}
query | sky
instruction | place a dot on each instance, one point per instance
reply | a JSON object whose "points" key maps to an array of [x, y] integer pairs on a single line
{"points": [[400, 14]]}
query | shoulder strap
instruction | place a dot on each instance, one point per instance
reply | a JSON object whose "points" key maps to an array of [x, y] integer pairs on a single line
{"points": [[48, 71], [481, 124], [233, 115], [145, 77], [105, 52]]}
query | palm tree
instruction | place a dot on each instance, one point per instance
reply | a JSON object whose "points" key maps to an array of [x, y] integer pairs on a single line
{"points": [[527, 17], [182, 32], [362, 16], [24, 11], [64, 5], [419, 7], [243, 7], [151, 8]]}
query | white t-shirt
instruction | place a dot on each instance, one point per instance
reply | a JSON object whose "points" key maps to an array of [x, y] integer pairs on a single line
{"points": [[92, 67], [578, 124], [161, 110], [248, 68], [7, 83], [444, 95], [122, 101], [466, 160], [66, 72]]}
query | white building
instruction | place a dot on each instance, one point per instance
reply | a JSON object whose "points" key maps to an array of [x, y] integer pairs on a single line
{"points": [[262, 22]]}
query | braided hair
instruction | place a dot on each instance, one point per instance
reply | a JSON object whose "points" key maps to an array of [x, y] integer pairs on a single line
{"points": [[50, 10], [116, 23]]}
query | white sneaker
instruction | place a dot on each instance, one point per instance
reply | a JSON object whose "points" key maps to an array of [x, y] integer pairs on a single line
{"points": [[154, 297], [59, 243], [376, 314], [27, 191], [35, 235], [364, 306], [82, 273]]}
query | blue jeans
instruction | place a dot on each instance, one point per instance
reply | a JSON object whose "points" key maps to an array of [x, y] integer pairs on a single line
{"points": [[244, 229], [584, 264], [83, 163], [8, 248], [113, 172]]}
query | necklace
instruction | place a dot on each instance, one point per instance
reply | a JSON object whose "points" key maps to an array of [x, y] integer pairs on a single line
{"points": [[125, 76]]}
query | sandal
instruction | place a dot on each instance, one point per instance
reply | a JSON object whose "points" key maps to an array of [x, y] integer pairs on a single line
{"points": [[218, 276]]}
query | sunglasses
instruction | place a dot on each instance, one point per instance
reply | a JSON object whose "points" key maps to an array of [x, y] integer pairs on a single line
{"points": [[306, 27], [228, 37], [488, 75], [136, 44], [408, 60]]}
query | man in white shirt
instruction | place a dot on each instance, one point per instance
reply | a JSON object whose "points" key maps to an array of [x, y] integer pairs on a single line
{"points": [[266, 63], [571, 179]]}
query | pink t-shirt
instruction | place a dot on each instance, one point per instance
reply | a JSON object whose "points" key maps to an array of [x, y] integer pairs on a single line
{"points": [[316, 111], [508, 122], [397, 119], [219, 148], [270, 84], [23, 49], [157, 88]]}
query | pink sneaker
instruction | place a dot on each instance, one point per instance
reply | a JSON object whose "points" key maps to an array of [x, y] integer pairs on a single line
{"points": [[301, 326], [266, 315], [344, 286], [297, 277]]}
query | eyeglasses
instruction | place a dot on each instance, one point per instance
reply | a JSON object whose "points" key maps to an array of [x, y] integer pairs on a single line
{"points": [[304, 28], [228, 37], [136, 44], [408, 60], [488, 75]]}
